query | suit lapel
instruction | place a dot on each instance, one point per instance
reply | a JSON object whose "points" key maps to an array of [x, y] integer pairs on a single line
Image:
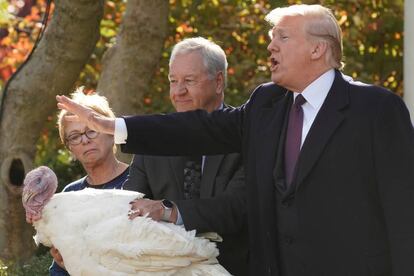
{"points": [[328, 119], [177, 167], [210, 170], [270, 124]]}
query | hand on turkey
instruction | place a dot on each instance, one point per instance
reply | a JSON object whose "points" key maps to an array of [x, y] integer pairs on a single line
{"points": [[57, 257], [146, 207]]}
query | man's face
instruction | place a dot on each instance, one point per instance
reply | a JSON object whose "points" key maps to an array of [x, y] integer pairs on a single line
{"points": [[190, 85], [290, 53]]}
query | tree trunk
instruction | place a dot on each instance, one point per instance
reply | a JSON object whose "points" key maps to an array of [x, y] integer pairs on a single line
{"points": [[129, 65], [53, 69]]}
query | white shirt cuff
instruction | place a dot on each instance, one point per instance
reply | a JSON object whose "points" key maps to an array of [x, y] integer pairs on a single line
{"points": [[121, 132], [179, 218]]}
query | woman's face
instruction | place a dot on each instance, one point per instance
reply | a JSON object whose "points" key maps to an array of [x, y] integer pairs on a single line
{"points": [[89, 151]]}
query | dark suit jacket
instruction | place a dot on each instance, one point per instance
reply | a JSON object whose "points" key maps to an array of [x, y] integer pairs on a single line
{"points": [[352, 210], [221, 209]]}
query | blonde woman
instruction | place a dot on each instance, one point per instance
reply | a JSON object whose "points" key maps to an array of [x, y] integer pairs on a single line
{"points": [[95, 151]]}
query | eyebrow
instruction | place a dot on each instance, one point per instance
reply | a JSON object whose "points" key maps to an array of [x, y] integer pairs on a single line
{"points": [[75, 131], [185, 76], [281, 29]]}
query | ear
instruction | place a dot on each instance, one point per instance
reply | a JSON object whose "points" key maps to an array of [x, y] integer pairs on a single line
{"points": [[319, 49], [219, 82]]}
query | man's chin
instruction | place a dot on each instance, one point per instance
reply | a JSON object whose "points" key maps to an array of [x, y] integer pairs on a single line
{"points": [[275, 79], [185, 108]]}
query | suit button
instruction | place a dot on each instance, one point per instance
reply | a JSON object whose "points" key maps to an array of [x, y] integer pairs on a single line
{"points": [[287, 203], [288, 240]]}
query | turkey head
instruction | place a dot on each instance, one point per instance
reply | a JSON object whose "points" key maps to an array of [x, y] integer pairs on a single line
{"points": [[39, 186]]}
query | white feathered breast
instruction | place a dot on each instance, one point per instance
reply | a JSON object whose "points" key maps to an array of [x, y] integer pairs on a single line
{"points": [[94, 235]]}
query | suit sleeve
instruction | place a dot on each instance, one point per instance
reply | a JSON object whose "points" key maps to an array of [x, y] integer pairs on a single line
{"points": [[394, 166], [137, 179], [185, 133], [225, 213]]}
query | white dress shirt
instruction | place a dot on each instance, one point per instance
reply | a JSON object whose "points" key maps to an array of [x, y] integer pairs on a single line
{"points": [[121, 132], [314, 94]]}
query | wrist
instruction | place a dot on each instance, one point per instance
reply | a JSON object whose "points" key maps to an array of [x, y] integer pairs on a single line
{"points": [[168, 208]]}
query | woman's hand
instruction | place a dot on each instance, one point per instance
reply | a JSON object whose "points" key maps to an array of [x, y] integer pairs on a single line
{"points": [[57, 257]]}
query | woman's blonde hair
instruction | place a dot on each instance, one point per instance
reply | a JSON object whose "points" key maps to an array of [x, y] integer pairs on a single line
{"points": [[92, 100]]}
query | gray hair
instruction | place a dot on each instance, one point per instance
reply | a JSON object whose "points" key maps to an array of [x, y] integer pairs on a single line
{"points": [[214, 58], [322, 25]]}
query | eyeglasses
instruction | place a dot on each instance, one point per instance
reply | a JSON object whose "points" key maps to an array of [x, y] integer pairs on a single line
{"points": [[76, 138]]}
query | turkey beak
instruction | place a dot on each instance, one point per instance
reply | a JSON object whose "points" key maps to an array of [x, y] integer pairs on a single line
{"points": [[27, 196]]}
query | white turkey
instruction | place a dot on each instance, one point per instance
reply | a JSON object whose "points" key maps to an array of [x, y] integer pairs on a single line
{"points": [[92, 231]]}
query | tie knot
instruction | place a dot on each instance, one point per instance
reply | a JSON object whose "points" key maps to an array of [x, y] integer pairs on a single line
{"points": [[299, 100]]}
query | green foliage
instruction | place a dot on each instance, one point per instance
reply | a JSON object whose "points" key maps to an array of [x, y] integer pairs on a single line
{"points": [[38, 265], [373, 40], [5, 16]]}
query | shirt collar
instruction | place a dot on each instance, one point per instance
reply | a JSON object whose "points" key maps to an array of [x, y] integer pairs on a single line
{"points": [[316, 92]]}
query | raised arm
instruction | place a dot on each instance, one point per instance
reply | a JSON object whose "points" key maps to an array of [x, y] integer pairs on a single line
{"points": [[91, 118]]}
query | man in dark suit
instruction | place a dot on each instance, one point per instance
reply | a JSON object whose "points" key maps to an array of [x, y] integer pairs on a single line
{"points": [[197, 77], [329, 162]]}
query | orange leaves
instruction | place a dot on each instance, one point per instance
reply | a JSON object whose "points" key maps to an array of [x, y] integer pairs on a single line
{"points": [[22, 33], [184, 28]]}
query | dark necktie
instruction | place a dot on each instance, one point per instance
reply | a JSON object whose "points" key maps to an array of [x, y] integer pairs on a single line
{"points": [[293, 138], [192, 177]]}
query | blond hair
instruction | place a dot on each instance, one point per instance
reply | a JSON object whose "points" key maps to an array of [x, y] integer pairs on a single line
{"points": [[322, 25], [93, 100]]}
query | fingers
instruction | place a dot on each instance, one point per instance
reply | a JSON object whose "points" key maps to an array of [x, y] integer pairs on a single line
{"points": [[134, 213], [72, 118], [65, 103], [54, 252], [80, 112], [146, 207], [91, 118]]}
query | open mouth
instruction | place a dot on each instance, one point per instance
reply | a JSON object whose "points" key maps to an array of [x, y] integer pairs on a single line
{"points": [[273, 63]]}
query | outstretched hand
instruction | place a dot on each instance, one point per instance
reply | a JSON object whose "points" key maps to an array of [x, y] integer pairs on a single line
{"points": [[90, 117]]}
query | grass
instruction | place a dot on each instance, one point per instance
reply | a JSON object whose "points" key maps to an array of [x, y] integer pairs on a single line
{"points": [[36, 266]]}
